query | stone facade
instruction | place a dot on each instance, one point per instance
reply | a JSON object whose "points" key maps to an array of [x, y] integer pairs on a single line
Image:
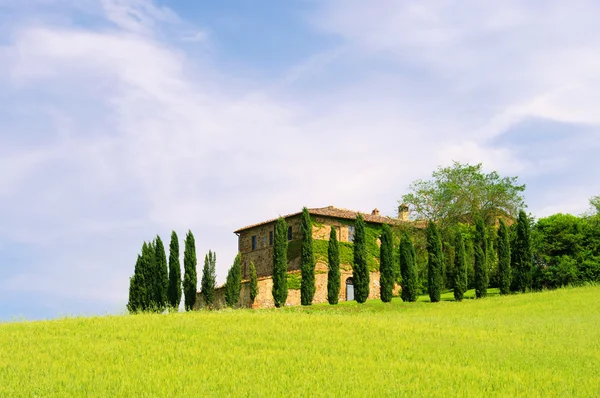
{"points": [[264, 299], [261, 254]]}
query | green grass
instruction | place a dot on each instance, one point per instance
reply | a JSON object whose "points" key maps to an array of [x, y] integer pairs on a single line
{"points": [[541, 344]]}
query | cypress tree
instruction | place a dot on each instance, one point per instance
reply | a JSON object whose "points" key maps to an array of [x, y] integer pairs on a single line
{"points": [[435, 262], [360, 271], [333, 274], [307, 260], [209, 277], [280, 289], [460, 268], [481, 280], [190, 276], [162, 275], [137, 288], [491, 257], [449, 259], [174, 292], [386, 264], [522, 258], [233, 285], [407, 269], [504, 278], [253, 283], [148, 266]]}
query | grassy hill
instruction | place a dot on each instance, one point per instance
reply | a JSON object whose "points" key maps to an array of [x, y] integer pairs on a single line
{"points": [[542, 344]]}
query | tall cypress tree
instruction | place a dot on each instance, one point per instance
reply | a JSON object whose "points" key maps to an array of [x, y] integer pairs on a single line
{"points": [[137, 288], [386, 264], [307, 260], [360, 271], [435, 262], [253, 283], [233, 285], [190, 276], [162, 275], [522, 258], [209, 278], [407, 269], [460, 268], [504, 277], [280, 289], [174, 292], [333, 274], [149, 270], [481, 279]]}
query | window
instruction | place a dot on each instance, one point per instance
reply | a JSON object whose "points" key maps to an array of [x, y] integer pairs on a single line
{"points": [[350, 233], [338, 233], [270, 238], [253, 242], [289, 233]]}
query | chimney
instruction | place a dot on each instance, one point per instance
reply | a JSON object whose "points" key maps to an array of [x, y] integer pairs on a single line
{"points": [[375, 212], [403, 212]]}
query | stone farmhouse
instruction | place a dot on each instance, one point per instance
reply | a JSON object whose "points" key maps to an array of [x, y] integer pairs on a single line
{"points": [[255, 244]]}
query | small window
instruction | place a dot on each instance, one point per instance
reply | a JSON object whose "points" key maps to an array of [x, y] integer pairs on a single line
{"points": [[350, 233], [270, 238], [338, 232], [289, 233], [253, 242]]}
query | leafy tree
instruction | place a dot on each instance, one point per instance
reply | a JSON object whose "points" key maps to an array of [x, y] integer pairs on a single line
{"points": [[280, 289], [137, 288], [253, 283], [209, 278], [386, 264], [233, 284], [460, 268], [435, 262], [407, 269], [595, 203], [481, 278], [174, 291], [360, 271], [462, 191], [504, 271], [522, 258], [333, 274], [567, 250], [162, 275], [307, 260], [190, 276]]}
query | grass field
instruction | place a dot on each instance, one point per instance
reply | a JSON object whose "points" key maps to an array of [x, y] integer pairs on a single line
{"points": [[541, 344]]}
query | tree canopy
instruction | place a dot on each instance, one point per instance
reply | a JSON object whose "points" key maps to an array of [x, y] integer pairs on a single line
{"points": [[461, 192]]}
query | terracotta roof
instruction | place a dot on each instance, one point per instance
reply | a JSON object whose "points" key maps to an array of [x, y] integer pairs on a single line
{"points": [[331, 211]]}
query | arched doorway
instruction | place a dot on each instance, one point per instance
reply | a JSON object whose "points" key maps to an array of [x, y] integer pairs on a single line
{"points": [[349, 289]]}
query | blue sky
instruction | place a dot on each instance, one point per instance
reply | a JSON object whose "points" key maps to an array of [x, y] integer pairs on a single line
{"points": [[123, 119]]}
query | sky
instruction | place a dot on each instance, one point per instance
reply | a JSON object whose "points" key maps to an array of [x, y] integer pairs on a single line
{"points": [[124, 119]]}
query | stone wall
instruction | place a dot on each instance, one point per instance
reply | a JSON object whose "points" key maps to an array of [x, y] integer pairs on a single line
{"points": [[264, 299], [322, 228], [262, 256]]}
